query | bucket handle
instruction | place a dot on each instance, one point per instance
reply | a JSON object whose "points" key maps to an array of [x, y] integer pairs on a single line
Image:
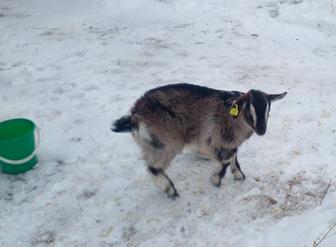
{"points": [[28, 158]]}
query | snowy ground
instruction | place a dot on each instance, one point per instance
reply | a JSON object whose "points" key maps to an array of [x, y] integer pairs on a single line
{"points": [[74, 66]]}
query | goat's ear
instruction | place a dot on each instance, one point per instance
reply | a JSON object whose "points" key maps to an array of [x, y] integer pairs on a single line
{"points": [[239, 104], [275, 97], [242, 100]]}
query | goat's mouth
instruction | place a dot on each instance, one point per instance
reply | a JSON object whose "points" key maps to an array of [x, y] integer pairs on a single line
{"points": [[259, 132]]}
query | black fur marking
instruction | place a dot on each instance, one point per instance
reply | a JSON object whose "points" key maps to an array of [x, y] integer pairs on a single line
{"points": [[156, 143], [155, 171], [228, 134], [159, 171], [173, 186], [223, 170], [237, 164], [239, 169], [209, 140], [156, 106], [196, 90], [219, 153], [123, 124], [224, 154], [259, 102]]}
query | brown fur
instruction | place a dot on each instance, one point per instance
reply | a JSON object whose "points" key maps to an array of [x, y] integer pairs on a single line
{"points": [[179, 118], [167, 119]]}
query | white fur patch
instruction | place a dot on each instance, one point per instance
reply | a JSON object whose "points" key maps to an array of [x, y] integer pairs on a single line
{"points": [[266, 112], [144, 133], [238, 175], [162, 182], [215, 179], [254, 115]]}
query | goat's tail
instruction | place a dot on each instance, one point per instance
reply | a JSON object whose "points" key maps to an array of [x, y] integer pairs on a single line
{"points": [[123, 124]]}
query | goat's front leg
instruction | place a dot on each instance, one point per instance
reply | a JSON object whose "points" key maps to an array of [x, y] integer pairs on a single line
{"points": [[226, 157], [235, 169]]}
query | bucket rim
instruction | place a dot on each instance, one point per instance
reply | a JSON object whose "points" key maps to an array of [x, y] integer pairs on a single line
{"points": [[15, 119]]}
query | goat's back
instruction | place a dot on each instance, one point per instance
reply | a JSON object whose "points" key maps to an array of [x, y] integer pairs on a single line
{"points": [[180, 112]]}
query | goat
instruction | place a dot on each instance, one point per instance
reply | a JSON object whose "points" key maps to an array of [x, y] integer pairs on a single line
{"points": [[167, 119]]}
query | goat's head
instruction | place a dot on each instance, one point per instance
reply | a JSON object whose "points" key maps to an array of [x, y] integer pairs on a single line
{"points": [[255, 106]]}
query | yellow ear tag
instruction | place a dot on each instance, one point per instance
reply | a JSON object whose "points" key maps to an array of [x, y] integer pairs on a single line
{"points": [[234, 111]]}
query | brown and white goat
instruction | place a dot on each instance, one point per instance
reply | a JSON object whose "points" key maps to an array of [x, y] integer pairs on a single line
{"points": [[168, 118]]}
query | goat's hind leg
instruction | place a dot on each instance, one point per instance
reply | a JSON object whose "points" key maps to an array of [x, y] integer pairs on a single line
{"points": [[161, 179], [158, 157]]}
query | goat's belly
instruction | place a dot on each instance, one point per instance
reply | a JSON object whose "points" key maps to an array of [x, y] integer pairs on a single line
{"points": [[202, 152]]}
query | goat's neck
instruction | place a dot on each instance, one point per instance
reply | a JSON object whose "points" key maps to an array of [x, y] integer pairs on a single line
{"points": [[235, 131]]}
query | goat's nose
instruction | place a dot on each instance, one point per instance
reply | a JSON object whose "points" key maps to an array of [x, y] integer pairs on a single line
{"points": [[261, 129], [261, 132]]}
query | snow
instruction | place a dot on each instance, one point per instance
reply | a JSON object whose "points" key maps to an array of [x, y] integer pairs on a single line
{"points": [[74, 66]]}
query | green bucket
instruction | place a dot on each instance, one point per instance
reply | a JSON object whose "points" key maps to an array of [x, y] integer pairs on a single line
{"points": [[19, 139]]}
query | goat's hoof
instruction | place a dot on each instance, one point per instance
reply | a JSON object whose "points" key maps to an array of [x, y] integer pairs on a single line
{"points": [[238, 175], [216, 180], [172, 193], [174, 197]]}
